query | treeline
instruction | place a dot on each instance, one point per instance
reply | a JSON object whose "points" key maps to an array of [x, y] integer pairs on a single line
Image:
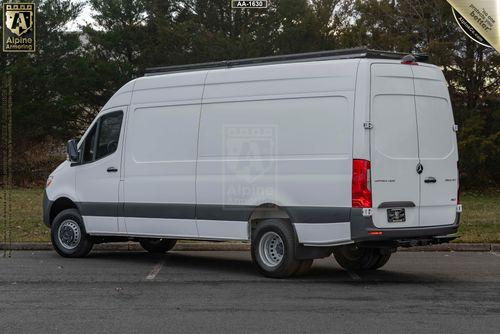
{"points": [[60, 88]]}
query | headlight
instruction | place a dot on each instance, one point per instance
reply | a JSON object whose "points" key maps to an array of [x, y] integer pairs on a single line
{"points": [[49, 181]]}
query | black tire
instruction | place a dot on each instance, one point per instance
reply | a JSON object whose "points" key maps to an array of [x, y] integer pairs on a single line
{"points": [[154, 245], [382, 260], [68, 234], [288, 264], [304, 267], [351, 257]]}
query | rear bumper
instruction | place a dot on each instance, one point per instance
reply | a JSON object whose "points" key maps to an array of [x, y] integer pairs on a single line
{"points": [[362, 226]]}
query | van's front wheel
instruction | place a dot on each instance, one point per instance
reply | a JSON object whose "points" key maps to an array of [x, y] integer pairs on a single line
{"points": [[68, 234], [351, 257], [273, 249], [157, 245]]}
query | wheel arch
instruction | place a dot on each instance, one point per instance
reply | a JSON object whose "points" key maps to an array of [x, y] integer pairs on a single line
{"points": [[59, 205], [268, 211], [273, 211]]}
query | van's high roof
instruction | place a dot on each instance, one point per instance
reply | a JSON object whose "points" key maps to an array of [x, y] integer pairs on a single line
{"points": [[290, 58]]}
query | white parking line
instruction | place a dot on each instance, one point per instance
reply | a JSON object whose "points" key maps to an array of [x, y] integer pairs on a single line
{"points": [[156, 269], [354, 276]]}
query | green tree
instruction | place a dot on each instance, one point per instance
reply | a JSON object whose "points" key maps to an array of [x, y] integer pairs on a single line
{"points": [[45, 87], [113, 48], [45, 101]]}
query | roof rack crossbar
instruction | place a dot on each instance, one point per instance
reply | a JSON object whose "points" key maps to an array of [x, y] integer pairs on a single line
{"points": [[297, 57]]}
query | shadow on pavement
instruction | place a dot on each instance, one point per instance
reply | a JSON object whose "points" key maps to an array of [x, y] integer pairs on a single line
{"points": [[236, 264]]}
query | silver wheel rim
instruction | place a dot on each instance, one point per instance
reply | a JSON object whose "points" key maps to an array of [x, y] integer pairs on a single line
{"points": [[271, 249], [69, 234]]}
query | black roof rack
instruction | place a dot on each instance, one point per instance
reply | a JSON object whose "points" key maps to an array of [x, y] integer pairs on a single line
{"points": [[297, 57]]}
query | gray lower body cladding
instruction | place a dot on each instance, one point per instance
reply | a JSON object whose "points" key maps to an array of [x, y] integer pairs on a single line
{"points": [[46, 206], [360, 225]]}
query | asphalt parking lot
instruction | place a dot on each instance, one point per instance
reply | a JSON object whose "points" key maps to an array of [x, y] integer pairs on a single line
{"points": [[214, 292]]}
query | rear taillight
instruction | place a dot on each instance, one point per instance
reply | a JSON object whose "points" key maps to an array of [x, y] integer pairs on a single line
{"points": [[361, 193]]}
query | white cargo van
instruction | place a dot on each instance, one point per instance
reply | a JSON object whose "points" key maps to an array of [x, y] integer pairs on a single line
{"points": [[350, 152]]}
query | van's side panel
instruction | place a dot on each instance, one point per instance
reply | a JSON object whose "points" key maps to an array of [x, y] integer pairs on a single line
{"points": [[160, 156], [279, 134]]}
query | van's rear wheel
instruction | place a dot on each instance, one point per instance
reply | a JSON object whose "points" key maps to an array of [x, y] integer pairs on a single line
{"points": [[273, 249], [68, 234], [158, 245], [351, 257]]}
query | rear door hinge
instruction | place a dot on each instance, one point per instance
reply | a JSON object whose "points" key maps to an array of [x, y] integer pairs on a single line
{"points": [[368, 125], [455, 127]]}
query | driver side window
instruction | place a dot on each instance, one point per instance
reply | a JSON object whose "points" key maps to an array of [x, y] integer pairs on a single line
{"points": [[109, 134], [102, 139]]}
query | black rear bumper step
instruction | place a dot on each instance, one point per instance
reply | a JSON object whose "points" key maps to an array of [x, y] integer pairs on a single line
{"points": [[363, 229]]}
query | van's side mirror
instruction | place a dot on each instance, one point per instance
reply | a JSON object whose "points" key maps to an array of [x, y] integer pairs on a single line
{"points": [[72, 150]]}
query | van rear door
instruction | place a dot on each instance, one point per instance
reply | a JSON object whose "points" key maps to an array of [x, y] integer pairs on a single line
{"points": [[437, 147], [394, 147], [413, 147]]}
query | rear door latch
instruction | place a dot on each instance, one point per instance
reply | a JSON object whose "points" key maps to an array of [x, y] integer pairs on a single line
{"points": [[368, 125]]}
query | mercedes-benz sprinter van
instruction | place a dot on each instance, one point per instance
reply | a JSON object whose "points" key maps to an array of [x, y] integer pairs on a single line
{"points": [[350, 152]]}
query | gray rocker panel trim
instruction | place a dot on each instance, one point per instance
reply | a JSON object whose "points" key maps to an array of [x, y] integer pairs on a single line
{"points": [[46, 206], [298, 214]]}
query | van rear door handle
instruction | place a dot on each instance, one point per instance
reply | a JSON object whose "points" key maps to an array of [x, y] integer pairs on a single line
{"points": [[397, 204], [112, 170], [430, 179]]}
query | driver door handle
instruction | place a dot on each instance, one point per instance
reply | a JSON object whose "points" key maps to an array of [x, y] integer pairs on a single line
{"points": [[430, 179], [112, 169]]}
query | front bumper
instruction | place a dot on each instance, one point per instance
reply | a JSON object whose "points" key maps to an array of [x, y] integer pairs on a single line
{"points": [[362, 226], [46, 206]]}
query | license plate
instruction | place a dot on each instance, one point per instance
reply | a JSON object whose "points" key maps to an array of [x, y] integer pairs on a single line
{"points": [[396, 215]]}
